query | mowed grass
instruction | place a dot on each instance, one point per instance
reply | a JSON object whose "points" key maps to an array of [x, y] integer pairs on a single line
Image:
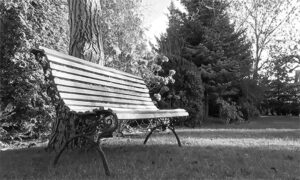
{"points": [[267, 148]]}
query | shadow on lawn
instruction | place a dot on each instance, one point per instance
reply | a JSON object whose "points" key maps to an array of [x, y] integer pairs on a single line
{"points": [[206, 154], [153, 162]]}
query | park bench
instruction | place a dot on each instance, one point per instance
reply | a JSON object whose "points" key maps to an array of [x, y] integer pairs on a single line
{"points": [[84, 90]]}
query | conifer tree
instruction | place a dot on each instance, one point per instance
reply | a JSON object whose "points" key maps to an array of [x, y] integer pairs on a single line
{"points": [[209, 41]]}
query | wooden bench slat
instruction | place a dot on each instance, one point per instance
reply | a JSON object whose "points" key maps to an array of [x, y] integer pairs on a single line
{"points": [[83, 109], [156, 111], [63, 75], [94, 75], [98, 88], [91, 108], [139, 113], [78, 60], [151, 114], [102, 99], [110, 105], [100, 93], [54, 62], [125, 115]]}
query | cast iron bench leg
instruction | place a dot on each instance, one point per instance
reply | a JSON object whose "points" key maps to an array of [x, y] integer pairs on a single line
{"points": [[97, 145], [152, 129], [161, 125], [173, 130]]}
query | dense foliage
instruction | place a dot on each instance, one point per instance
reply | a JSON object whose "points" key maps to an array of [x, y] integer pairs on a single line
{"points": [[24, 104], [187, 90], [124, 43], [205, 37], [126, 47], [282, 94]]}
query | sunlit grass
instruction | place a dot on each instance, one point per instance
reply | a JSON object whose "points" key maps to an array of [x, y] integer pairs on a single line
{"points": [[239, 130], [207, 153], [267, 139]]}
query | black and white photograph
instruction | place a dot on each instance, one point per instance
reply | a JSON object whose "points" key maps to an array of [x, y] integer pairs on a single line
{"points": [[150, 89]]}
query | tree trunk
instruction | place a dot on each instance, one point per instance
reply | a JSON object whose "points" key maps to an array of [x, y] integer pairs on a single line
{"points": [[85, 43], [206, 107], [85, 30], [255, 68], [1, 56]]}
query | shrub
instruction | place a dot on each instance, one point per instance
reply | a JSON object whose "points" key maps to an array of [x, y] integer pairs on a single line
{"points": [[24, 24], [249, 110], [187, 90], [229, 111]]}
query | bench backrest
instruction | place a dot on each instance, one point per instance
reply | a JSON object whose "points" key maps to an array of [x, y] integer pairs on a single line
{"points": [[85, 86]]}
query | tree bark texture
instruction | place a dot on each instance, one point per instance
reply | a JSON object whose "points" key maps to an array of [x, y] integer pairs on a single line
{"points": [[1, 33], [85, 30]]}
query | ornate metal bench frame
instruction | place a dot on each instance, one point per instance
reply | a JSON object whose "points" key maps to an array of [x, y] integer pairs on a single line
{"points": [[93, 125]]}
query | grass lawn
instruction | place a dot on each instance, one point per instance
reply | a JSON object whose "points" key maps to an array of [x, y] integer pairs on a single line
{"points": [[266, 148]]}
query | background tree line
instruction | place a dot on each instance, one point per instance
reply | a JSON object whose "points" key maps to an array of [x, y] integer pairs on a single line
{"points": [[226, 41], [203, 63]]}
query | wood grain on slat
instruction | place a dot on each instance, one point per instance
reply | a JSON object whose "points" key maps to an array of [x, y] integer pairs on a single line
{"points": [[110, 104], [150, 114], [100, 93], [134, 111], [128, 116], [83, 109], [94, 81], [98, 88], [94, 75], [56, 60], [116, 109], [160, 111], [77, 60], [139, 114], [102, 99]]}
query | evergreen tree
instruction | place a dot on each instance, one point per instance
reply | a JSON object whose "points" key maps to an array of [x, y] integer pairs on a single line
{"points": [[187, 90], [205, 37]]}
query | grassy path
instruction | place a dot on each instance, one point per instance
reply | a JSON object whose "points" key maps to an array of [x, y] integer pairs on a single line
{"points": [[267, 148]]}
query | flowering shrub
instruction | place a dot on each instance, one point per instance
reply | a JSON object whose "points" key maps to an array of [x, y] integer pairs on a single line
{"points": [[185, 89], [229, 111]]}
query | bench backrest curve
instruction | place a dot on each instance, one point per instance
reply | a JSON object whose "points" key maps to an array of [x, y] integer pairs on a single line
{"points": [[85, 86]]}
